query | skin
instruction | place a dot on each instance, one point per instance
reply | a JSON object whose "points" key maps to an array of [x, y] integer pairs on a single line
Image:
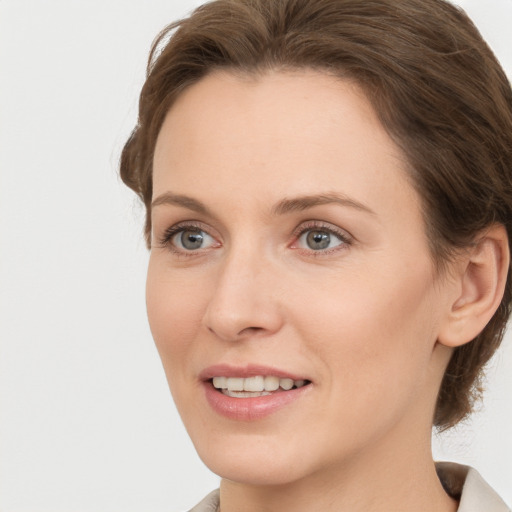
{"points": [[361, 320]]}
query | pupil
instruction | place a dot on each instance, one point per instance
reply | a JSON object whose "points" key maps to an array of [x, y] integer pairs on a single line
{"points": [[192, 239], [318, 240]]}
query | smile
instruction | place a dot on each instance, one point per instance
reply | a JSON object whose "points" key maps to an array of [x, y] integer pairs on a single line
{"points": [[259, 385], [252, 392]]}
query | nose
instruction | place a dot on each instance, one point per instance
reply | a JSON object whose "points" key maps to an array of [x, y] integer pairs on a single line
{"points": [[245, 301]]}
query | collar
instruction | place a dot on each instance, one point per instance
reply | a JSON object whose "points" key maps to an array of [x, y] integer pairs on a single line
{"points": [[465, 484]]}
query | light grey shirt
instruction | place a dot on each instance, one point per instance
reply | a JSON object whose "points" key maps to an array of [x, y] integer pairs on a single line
{"points": [[461, 482]]}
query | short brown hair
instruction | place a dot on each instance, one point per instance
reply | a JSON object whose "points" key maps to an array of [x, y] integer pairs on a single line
{"points": [[435, 84]]}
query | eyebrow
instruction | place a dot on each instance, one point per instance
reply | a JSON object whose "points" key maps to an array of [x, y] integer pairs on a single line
{"points": [[283, 207], [180, 200], [304, 202]]}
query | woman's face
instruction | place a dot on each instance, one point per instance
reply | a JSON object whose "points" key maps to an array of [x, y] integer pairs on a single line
{"points": [[289, 250]]}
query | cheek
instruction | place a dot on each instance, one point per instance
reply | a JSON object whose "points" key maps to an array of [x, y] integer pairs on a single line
{"points": [[174, 307], [373, 331], [372, 350]]}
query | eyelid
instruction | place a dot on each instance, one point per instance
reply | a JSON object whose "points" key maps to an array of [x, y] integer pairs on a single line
{"points": [[164, 240], [346, 238]]}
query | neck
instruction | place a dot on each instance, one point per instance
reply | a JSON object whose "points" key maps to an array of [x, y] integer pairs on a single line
{"points": [[383, 480]]}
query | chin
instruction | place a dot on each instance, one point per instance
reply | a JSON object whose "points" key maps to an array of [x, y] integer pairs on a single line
{"points": [[251, 462], [253, 473]]}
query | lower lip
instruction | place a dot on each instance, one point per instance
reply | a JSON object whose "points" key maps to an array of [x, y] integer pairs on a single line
{"points": [[250, 409]]}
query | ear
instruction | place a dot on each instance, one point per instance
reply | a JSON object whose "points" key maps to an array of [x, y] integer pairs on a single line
{"points": [[481, 276]]}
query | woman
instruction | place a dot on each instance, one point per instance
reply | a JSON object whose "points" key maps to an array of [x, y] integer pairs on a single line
{"points": [[329, 202]]}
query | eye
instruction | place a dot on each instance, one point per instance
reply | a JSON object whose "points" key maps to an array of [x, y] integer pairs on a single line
{"points": [[192, 239], [187, 239], [317, 240], [320, 238]]}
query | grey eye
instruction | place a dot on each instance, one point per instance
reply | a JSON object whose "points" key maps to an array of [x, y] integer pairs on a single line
{"points": [[192, 239], [319, 240]]}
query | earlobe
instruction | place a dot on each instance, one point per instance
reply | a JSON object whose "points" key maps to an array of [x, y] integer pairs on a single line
{"points": [[480, 287]]}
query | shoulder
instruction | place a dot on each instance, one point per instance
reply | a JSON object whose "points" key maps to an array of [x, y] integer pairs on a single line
{"points": [[466, 484], [209, 504]]}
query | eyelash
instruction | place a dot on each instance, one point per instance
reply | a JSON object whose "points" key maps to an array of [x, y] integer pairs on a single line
{"points": [[315, 225], [346, 240], [166, 239]]}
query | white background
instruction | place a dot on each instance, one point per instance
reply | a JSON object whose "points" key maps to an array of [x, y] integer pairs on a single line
{"points": [[86, 420]]}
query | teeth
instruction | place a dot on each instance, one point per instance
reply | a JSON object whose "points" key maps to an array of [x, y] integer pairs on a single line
{"points": [[235, 384], [271, 383], [220, 382], [286, 384], [254, 384], [245, 394], [258, 384]]}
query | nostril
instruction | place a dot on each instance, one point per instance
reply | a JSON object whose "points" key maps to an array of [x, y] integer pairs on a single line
{"points": [[250, 331]]}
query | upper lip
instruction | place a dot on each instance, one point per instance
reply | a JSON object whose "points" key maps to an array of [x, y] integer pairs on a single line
{"points": [[250, 370]]}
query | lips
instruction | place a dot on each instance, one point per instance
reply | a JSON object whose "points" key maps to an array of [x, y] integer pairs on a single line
{"points": [[252, 370], [250, 393]]}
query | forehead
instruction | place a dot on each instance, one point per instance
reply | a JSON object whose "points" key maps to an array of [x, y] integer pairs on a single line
{"points": [[266, 107], [282, 133]]}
